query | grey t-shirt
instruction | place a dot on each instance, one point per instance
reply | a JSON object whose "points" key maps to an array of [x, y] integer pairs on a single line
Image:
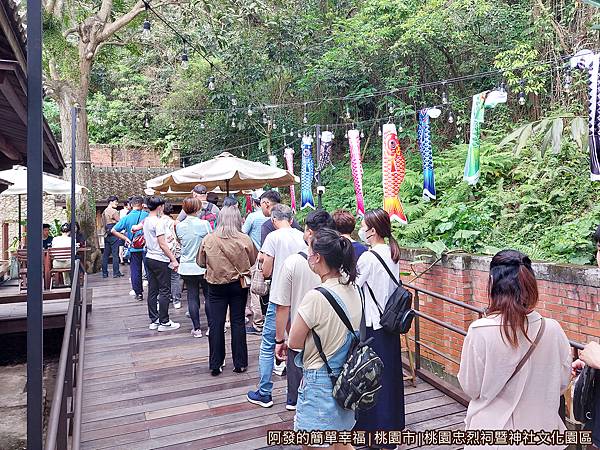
{"points": [[154, 227]]}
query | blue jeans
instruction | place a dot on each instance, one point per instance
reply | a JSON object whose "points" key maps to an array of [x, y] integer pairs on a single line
{"points": [[111, 247], [266, 357], [135, 264]]}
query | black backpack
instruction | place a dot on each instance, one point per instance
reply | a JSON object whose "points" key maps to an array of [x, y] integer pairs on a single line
{"points": [[398, 315], [357, 385], [587, 388]]}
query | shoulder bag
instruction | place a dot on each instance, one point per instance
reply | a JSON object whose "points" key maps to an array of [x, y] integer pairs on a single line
{"points": [[398, 315], [258, 285]]}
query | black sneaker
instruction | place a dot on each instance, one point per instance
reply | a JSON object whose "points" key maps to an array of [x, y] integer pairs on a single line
{"points": [[104, 275], [118, 275], [139, 297]]}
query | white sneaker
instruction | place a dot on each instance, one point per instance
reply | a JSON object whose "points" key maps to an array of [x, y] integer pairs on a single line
{"points": [[132, 293], [176, 304], [187, 314], [168, 326], [207, 331], [197, 333], [153, 326], [145, 282], [279, 369]]}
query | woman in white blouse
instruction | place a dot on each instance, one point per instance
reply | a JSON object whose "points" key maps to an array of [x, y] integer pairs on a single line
{"points": [[515, 364], [388, 413]]}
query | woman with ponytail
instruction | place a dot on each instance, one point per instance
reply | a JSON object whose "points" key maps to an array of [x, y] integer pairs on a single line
{"points": [[515, 364], [377, 285], [331, 257]]}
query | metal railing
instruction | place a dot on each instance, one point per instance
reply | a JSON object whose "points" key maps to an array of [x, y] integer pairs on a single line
{"points": [[445, 387], [64, 423]]}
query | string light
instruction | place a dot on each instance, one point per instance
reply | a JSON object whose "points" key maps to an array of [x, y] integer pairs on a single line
{"points": [[502, 87], [146, 30], [233, 101], [265, 119], [346, 135], [400, 129], [348, 113], [233, 123], [391, 108], [250, 112], [185, 61], [292, 133], [146, 121], [450, 117], [521, 99], [568, 82], [202, 125], [444, 95], [362, 134], [379, 133], [211, 83], [305, 119]]}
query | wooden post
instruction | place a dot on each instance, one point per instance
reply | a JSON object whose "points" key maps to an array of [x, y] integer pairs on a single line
{"points": [[5, 240]]}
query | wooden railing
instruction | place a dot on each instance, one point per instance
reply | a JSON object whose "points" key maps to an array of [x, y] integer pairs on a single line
{"points": [[64, 423], [431, 378]]}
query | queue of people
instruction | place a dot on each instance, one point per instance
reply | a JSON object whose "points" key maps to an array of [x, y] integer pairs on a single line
{"points": [[515, 363]]}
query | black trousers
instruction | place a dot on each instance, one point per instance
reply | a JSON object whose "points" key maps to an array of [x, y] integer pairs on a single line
{"points": [[194, 283], [221, 297], [159, 288]]}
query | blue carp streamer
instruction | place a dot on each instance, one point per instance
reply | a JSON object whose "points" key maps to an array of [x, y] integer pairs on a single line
{"points": [[308, 171], [424, 136]]}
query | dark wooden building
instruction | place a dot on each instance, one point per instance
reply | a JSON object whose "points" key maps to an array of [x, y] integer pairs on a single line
{"points": [[13, 97]]}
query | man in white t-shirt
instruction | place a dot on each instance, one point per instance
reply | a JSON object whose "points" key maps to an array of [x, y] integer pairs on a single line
{"points": [[278, 245], [160, 260]]}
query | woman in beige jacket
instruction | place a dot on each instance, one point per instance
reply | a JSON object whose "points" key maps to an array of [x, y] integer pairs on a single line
{"points": [[509, 391]]}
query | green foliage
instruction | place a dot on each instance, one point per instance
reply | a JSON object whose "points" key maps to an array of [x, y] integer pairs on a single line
{"points": [[544, 205]]}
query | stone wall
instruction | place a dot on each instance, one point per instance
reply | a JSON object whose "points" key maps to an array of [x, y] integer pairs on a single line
{"points": [[127, 156], [568, 293], [9, 212]]}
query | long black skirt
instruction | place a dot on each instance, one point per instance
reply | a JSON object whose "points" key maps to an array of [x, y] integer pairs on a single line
{"points": [[388, 413]]}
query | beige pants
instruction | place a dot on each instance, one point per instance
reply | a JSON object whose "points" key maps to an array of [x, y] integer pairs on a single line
{"points": [[63, 264]]}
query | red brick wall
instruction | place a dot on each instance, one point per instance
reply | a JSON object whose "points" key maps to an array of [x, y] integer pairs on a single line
{"points": [[570, 294], [139, 157]]}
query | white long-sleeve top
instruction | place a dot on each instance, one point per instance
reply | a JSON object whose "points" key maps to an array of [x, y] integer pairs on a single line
{"points": [[531, 400], [372, 272]]}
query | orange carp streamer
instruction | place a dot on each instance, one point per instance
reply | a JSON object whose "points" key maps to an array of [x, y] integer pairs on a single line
{"points": [[393, 170]]}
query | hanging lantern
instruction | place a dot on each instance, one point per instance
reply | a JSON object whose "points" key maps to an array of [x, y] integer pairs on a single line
{"points": [[202, 125], [250, 112], [521, 98], [362, 134], [211, 83], [146, 121], [346, 135], [348, 113], [185, 61], [305, 119], [568, 82], [444, 95], [146, 30], [379, 133], [450, 117]]}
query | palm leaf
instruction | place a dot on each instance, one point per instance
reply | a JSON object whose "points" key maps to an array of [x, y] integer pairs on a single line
{"points": [[523, 138], [557, 130]]}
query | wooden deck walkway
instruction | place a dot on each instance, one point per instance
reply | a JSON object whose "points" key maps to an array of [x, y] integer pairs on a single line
{"points": [[150, 390]]}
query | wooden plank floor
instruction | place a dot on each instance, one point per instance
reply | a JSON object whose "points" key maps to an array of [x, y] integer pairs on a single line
{"points": [[149, 390]]}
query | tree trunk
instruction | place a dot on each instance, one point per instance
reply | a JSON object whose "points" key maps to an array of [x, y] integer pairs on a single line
{"points": [[85, 204]]}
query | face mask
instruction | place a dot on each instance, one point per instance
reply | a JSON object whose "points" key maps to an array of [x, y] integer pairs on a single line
{"points": [[362, 234]]}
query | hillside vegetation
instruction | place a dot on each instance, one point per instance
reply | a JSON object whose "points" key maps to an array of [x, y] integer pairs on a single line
{"points": [[545, 206]]}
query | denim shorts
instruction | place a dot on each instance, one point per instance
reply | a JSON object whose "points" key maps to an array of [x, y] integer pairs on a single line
{"points": [[316, 407]]}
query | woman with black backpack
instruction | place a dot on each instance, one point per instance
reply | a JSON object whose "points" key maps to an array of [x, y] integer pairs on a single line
{"points": [[378, 286], [331, 256]]}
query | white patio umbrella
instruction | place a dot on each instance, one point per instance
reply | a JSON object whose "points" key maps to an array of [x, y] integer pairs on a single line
{"points": [[224, 171], [50, 185]]}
